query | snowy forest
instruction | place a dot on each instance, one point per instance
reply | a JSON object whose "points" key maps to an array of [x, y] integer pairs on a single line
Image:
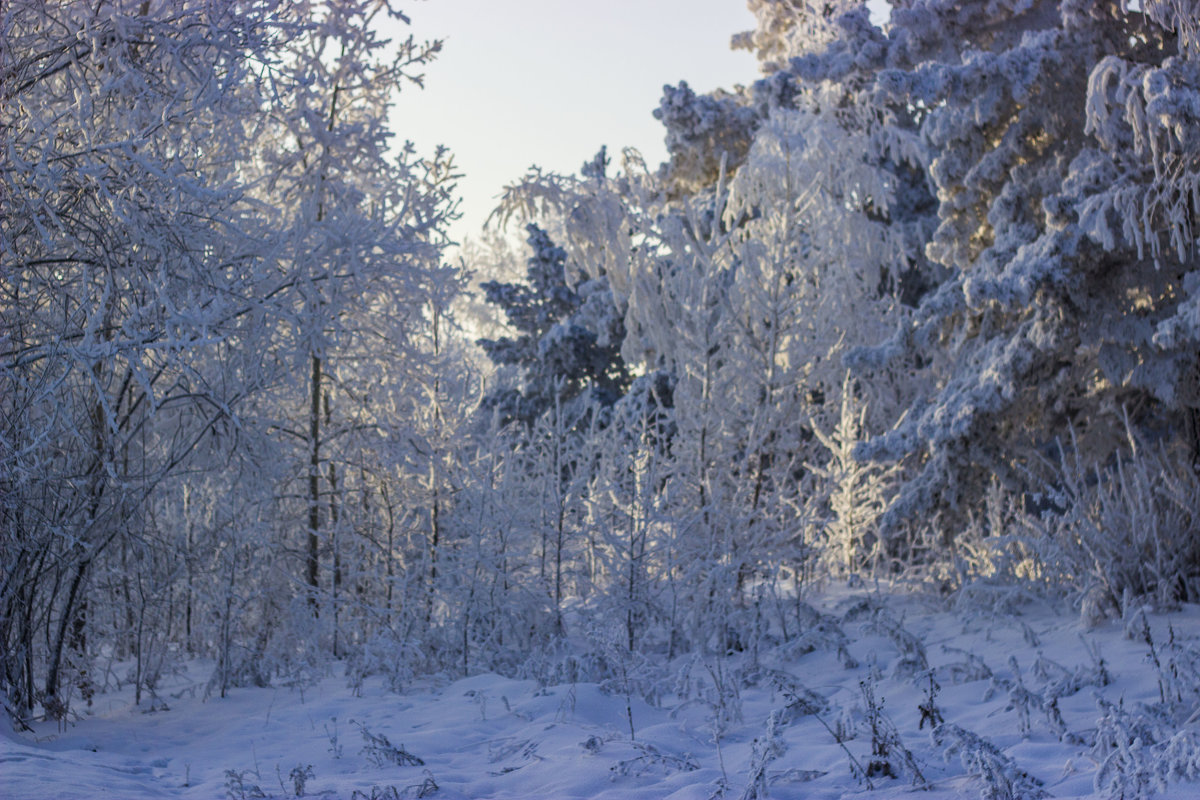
{"points": [[912, 319]]}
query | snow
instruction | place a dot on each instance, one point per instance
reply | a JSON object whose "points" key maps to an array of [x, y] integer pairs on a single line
{"points": [[489, 736]]}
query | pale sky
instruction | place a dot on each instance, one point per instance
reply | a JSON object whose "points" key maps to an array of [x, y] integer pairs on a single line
{"points": [[547, 82]]}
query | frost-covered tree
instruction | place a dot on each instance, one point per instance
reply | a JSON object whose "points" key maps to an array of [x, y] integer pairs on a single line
{"points": [[628, 524], [568, 340], [786, 29], [360, 226], [180, 227], [705, 133], [568, 371], [853, 495], [786, 230], [1059, 139], [125, 250]]}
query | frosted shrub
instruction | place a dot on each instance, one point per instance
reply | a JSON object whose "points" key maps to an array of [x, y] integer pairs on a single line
{"points": [[296, 652], [381, 752], [971, 668], [1133, 528], [1106, 535], [712, 685], [1003, 554], [1141, 753], [801, 701], [1057, 682], [763, 750], [889, 756], [629, 673], [238, 786], [1020, 698], [999, 775], [929, 709], [426, 788], [299, 776], [559, 662], [377, 793], [856, 493], [1179, 672], [1061, 682], [382, 655]]}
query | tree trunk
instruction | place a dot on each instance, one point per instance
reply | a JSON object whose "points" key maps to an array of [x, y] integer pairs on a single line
{"points": [[333, 536], [70, 620], [314, 486]]}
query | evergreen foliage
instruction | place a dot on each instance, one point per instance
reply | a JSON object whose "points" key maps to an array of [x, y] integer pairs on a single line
{"points": [[569, 340]]}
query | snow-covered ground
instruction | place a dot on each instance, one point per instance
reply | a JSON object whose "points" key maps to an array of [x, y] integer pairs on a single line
{"points": [[1031, 702]]}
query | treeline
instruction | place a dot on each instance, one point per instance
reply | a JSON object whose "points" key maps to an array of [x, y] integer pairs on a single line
{"points": [[922, 302]]}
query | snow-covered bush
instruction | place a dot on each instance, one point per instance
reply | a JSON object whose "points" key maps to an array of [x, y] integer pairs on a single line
{"points": [[889, 756], [763, 750], [1141, 752], [1105, 535], [999, 775], [379, 750], [1131, 529]]}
